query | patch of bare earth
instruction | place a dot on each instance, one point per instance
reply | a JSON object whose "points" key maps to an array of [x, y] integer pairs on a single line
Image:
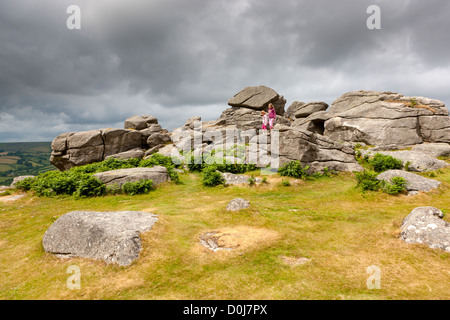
{"points": [[237, 239]]}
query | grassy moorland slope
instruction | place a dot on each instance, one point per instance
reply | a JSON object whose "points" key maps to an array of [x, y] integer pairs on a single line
{"points": [[328, 221]]}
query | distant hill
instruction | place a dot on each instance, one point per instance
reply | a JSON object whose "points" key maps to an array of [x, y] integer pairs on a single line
{"points": [[23, 158]]}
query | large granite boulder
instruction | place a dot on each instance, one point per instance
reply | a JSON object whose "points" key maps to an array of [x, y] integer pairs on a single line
{"points": [[139, 122], [80, 148], [425, 225], [157, 174], [434, 150], [302, 110], [417, 161], [382, 118], [258, 98], [414, 182], [315, 150], [109, 236]]}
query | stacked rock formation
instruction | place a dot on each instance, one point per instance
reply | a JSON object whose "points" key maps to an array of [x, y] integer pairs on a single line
{"points": [[383, 118], [80, 148], [314, 133]]}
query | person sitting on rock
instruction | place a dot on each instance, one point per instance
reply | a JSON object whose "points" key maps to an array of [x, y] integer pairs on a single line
{"points": [[272, 115], [265, 121]]}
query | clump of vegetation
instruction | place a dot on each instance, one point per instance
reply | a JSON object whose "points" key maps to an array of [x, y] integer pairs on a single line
{"points": [[252, 180], [367, 181], [80, 182], [285, 183], [211, 177], [381, 162], [54, 183], [294, 169], [397, 185], [138, 187]]}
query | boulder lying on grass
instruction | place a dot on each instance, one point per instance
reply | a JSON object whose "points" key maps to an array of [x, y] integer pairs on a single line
{"points": [[414, 182], [109, 236], [231, 178], [417, 161], [238, 204], [157, 174], [425, 225]]}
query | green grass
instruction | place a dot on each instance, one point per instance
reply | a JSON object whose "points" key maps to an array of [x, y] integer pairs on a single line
{"points": [[326, 220]]}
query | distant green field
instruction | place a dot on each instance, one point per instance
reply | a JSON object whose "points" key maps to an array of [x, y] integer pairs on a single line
{"points": [[23, 158]]}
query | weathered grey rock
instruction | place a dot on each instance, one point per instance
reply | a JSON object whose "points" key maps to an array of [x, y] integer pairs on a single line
{"points": [[149, 119], [415, 183], [246, 118], [238, 204], [232, 179], [301, 110], [381, 118], [137, 153], [425, 225], [109, 236], [152, 128], [433, 149], [314, 123], [120, 140], [316, 151], [418, 161], [293, 108], [258, 98], [80, 148], [136, 123], [189, 124], [158, 138], [157, 174], [19, 178], [72, 149]]}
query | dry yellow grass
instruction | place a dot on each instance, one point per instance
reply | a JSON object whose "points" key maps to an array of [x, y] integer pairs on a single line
{"points": [[340, 230]]}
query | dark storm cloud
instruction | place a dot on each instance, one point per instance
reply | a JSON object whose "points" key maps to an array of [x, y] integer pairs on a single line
{"points": [[181, 58]]}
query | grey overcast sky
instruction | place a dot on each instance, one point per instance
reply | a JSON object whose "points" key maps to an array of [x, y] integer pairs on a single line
{"points": [[175, 59]]}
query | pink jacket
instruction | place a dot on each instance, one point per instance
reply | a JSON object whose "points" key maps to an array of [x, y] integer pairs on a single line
{"points": [[272, 114]]}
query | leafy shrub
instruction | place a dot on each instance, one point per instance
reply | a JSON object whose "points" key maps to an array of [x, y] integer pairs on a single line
{"points": [[211, 177], [381, 162], [25, 184], [397, 186], [90, 186], [367, 180], [138, 187], [264, 180], [285, 183], [252, 180], [294, 169]]}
